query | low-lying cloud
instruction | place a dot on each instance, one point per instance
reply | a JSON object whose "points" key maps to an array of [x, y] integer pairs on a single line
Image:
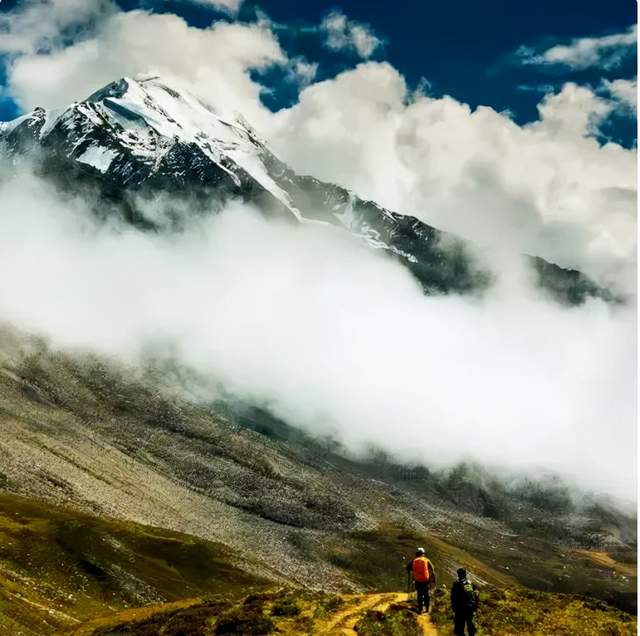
{"points": [[548, 188], [334, 337]]}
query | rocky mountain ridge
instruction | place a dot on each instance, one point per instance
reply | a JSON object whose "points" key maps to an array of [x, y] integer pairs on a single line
{"points": [[136, 139]]}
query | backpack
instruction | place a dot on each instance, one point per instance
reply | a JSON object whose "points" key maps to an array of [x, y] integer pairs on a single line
{"points": [[420, 569], [470, 596]]}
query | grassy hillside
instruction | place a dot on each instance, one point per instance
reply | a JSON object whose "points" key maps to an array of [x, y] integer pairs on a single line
{"points": [[59, 567], [503, 613], [522, 611], [377, 559], [62, 571]]}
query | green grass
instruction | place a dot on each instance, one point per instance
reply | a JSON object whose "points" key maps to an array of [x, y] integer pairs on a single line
{"points": [[377, 559], [195, 621], [327, 605], [502, 613], [283, 611], [521, 611], [396, 621], [58, 566]]}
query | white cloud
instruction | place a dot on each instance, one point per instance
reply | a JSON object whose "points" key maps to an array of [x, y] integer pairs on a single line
{"points": [[302, 72], [38, 25], [344, 34], [623, 91], [605, 52], [230, 6], [334, 337], [547, 188], [574, 113], [214, 61]]}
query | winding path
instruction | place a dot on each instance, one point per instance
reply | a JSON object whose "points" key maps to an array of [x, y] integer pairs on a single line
{"points": [[342, 623]]}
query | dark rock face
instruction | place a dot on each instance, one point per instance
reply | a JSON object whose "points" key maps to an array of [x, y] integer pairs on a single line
{"points": [[25, 135], [144, 139], [568, 285]]}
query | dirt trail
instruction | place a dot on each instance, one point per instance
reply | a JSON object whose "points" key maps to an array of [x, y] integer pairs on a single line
{"points": [[342, 623], [426, 626]]}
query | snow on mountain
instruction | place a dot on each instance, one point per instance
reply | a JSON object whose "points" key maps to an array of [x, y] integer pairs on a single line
{"points": [[98, 157]]}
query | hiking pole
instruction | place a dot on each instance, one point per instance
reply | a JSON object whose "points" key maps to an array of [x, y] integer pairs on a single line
{"points": [[404, 569]]}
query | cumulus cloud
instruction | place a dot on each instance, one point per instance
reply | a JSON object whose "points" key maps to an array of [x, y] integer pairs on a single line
{"points": [[605, 52], [215, 61], [333, 336], [623, 91], [231, 6], [344, 34], [41, 25], [547, 188]]}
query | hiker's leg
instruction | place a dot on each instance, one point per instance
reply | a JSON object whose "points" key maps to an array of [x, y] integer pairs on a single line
{"points": [[471, 624], [458, 624], [427, 599], [421, 589]]}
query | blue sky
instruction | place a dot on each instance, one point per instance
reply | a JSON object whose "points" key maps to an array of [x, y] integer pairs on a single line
{"points": [[464, 52]]}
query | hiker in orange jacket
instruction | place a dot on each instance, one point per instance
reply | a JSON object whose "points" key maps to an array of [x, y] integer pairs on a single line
{"points": [[423, 576]]}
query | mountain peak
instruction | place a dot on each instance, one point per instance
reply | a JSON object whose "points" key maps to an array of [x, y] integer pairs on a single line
{"points": [[134, 128], [160, 99]]}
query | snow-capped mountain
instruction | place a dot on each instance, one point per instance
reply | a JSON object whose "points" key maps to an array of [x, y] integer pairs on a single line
{"points": [[134, 130], [135, 139]]}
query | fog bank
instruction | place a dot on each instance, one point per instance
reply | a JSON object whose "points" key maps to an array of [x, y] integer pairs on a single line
{"points": [[335, 337]]}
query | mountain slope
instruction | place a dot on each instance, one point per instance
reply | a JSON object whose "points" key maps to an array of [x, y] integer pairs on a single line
{"points": [[60, 567], [63, 571], [66, 572], [135, 140], [79, 431]]}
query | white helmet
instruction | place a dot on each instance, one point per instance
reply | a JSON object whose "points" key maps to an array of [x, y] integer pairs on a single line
{"points": [[420, 551]]}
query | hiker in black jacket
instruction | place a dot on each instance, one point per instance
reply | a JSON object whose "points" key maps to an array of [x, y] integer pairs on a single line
{"points": [[464, 603]]}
